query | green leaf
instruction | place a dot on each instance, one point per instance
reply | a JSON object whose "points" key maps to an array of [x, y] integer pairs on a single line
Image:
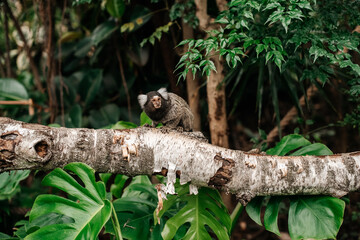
{"points": [[11, 89], [116, 8], [287, 144], [90, 85], [140, 15], [259, 49], [124, 125], [103, 31], [105, 116], [135, 209], [203, 209], [118, 185], [317, 149], [76, 116], [320, 216], [90, 209], [271, 215], [9, 182], [144, 119], [253, 209]]}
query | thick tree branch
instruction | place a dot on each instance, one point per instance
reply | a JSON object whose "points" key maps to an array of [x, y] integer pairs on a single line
{"points": [[148, 151]]}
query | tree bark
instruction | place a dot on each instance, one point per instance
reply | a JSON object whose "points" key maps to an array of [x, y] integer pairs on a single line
{"points": [[192, 84], [215, 93], [46, 11], [148, 151]]}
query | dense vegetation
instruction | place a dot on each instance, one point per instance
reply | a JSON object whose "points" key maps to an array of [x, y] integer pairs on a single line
{"points": [[289, 67]]}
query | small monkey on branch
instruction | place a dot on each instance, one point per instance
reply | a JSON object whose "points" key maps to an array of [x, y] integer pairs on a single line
{"points": [[167, 108]]}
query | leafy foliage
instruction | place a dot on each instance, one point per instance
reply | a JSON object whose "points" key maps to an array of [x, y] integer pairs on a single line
{"points": [[321, 216], [205, 212], [89, 211], [9, 182], [135, 210], [157, 34], [306, 40], [186, 11]]}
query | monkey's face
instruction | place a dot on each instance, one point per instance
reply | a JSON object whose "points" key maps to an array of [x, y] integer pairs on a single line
{"points": [[156, 102]]}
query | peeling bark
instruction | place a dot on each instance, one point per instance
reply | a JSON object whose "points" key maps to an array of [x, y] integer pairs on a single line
{"points": [[148, 150]]}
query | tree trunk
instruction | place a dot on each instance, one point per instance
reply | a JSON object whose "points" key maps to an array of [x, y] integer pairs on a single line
{"points": [[46, 11], [148, 151], [192, 84], [216, 95]]}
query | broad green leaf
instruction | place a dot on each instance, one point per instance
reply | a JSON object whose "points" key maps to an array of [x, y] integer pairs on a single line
{"points": [[135, 209], [4, 236], [287, 144], [271, 215], [76, 116], [103, 31], [83, 47], [253, 209], [144, 119], [105, 116], [9, 182], [203, 209], [42, 221], [118, 185], [124, 125], [12, 90], [90, 85], [90, 210], [139, 16], [116, 8], [317, 149], [315, 217]]}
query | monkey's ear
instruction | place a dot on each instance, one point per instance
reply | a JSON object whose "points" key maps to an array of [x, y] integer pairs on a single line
{"points": [[142, 98], [163, 93]]}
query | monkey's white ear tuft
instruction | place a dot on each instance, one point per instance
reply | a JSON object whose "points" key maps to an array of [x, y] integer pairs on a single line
{"points": [[142, 98], [163, 93]]}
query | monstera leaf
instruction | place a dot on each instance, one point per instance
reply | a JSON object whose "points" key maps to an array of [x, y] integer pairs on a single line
{"points": [[135, 210], [315, 217], [204, 212], [9, 182], [89, 208]]}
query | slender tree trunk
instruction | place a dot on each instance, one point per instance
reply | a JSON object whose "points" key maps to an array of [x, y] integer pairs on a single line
{"points": [[216, 95], [7, 45], [192, 84], [46, 11]]}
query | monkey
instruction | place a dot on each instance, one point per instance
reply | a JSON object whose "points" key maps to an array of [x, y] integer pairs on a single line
{"points": [[167, 108]]}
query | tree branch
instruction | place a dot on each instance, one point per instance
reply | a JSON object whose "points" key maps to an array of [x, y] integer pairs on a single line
{"points": [[148, 151]]}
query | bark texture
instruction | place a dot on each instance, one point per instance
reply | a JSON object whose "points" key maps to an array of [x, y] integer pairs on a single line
{"points": [[149, 150], [192, 84], [216, 95]]}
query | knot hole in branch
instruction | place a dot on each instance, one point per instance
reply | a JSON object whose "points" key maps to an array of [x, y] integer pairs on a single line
{"points": [[41, 148]]}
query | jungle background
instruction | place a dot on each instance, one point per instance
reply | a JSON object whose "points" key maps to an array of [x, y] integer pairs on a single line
{"points": [[286, 67]]}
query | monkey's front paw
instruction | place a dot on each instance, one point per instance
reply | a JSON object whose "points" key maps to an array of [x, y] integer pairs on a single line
{"points": [[180, 129], [165, 129], [146, 125]]}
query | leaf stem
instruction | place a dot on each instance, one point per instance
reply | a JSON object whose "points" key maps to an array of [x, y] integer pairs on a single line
{"points": [[235, 215], [115, 223]]}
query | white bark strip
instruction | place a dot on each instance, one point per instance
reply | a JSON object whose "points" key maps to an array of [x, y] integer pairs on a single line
{"points": [[148, 151]]}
